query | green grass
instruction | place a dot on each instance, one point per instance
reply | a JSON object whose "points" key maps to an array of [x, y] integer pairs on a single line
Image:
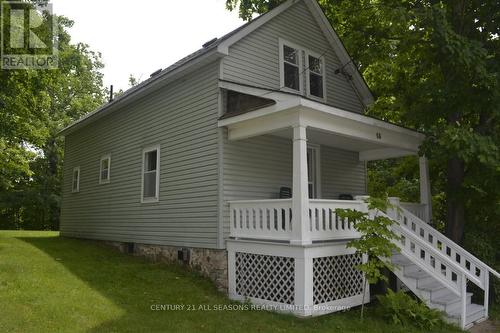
{"points": [[54, 284]]}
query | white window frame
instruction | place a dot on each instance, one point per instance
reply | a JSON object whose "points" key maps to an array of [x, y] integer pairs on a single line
{"points": [[156, 198], [105, 181], [300, 49], [317, 184], [308, 73], [77, 189]]}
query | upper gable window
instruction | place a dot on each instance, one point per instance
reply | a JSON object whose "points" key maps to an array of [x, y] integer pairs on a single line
{"points": [[291, 66], [315, 75]]}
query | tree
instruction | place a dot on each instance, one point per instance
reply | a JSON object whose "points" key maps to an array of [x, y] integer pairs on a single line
{"points": [[376, 241], [433, 66], [35, 105]]}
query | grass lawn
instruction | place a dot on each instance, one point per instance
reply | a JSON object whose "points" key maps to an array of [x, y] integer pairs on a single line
{"points": [[54, 284]]}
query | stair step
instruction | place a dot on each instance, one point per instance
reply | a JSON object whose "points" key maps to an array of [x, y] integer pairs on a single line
{"points": [[448, 299], [412, 268], [474, 312], [432, 285], [401, 260], [417, 274]]}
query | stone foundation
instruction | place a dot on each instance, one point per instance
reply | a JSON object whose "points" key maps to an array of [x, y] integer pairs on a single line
{"points": [[211, 263]]}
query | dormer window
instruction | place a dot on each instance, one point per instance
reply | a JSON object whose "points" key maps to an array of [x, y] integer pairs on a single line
{"points": [[315, 76], [299, 65], [291, 66]]}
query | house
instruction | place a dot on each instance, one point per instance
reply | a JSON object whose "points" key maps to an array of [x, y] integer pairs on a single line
{"points": [[234, 160]]}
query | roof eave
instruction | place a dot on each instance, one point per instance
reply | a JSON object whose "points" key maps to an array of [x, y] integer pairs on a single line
{"points": [[143, 89]]}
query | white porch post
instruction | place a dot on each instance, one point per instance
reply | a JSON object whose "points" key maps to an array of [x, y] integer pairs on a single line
{"points": [[300, 189], [304, 284], [425, 187]]}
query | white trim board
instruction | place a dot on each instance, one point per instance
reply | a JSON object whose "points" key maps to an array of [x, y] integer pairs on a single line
{"points": [[223, 47]]}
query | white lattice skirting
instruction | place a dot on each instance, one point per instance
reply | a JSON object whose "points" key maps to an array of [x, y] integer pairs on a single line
{"points": [[306, 281]]}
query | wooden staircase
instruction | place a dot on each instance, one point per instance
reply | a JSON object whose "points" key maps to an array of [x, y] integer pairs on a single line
{"points": [[438, 270], [435, 294]]}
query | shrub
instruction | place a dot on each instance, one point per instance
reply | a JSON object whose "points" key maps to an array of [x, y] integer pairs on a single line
{"points": [[401, 309]]}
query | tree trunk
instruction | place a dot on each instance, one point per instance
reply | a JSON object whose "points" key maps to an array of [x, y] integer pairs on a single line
{"points": [[455, 216]]}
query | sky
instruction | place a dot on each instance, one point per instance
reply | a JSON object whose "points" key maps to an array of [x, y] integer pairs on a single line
{"points": [[140, 37]]}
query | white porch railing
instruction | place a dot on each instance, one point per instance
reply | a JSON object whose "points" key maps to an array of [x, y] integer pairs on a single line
{"points": [[261, 219], [440, 256], [272, 219], [324, 224], [416, 209]]}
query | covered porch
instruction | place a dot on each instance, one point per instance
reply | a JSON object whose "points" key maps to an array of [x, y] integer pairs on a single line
{"points": [[313, 127], [290, 254]]}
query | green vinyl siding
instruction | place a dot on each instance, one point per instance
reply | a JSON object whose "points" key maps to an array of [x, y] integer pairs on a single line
{"points": [[182, 119], [254, 60]]}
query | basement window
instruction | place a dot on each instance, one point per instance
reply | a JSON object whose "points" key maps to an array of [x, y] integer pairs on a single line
{"points": [[290, 66], [75, 184], [315, 76], [104, 171], [150, 174]]}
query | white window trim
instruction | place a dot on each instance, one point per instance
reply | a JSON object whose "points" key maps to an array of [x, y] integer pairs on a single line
{"points": [[282, 42], [308, 72], [157, 194], [317, 186], [105, 157], [73, 190]]}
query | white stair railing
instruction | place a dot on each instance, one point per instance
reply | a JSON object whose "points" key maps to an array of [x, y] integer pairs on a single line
{"points": [[416, 209], [440, 256]]}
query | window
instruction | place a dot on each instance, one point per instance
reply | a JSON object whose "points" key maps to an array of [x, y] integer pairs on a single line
{"points": [[291, 64], [104, 171], [291, 70], [150, 174], [75, 184], [315, 76]]}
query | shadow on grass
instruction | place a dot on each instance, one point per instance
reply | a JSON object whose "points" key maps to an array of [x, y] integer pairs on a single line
{"points": [[134, 285], [131, 283]]}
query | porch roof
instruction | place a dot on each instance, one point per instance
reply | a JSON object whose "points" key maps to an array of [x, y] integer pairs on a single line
{"points": [[372, 138]]}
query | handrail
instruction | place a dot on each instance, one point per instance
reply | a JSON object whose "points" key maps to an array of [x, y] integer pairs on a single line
{"points": [[336, 201], [441, 257], [454, 267], [457, 268], [417, 209], [466, 253], [259, 201]]}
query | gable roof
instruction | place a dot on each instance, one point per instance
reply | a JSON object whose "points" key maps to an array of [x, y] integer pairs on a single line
{"points": [[220, 48]]}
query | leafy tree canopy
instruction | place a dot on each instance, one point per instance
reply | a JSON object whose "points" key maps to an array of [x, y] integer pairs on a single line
{"points": [[34, 106], [432, 66]]}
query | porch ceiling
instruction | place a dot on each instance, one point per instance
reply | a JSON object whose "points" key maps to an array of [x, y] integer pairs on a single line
{"points": [[372, 138]]}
